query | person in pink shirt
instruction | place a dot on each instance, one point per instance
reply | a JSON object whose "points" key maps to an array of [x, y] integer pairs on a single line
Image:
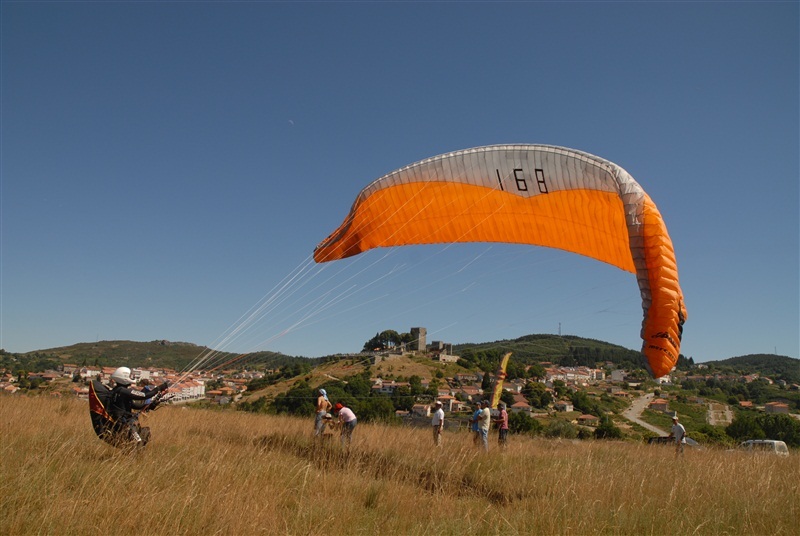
{"points": [[347, 420], [502, 425]]}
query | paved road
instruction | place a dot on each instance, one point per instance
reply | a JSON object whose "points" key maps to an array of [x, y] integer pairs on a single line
{"points": [[635, 411]]}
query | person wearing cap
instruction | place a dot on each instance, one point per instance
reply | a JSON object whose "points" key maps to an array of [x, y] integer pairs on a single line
{"points": [[473, 422], [484, 421], [679, 434], [438, 423], [502, 425], [323, 407], [347, 420]]}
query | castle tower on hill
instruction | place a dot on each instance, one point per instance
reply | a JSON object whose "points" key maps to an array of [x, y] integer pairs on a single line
{"points": [[418, 343]]}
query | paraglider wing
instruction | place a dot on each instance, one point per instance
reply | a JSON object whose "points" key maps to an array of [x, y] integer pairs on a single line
{"points": [[528, 194], [499, 378]]}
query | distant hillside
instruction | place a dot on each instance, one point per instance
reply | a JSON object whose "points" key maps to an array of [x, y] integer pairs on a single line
{"points": [[565, 350], [161, 353], [774, 366]]}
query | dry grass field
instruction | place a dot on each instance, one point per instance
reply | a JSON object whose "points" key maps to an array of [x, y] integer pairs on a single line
{"points": [[232, 473]]}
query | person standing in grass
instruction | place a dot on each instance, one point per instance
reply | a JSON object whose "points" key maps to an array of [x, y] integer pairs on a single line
{"points": [[347, 420], [502, 425], [484, 421], [473, 422], [438, 423], [679, 434], [323, 407]]}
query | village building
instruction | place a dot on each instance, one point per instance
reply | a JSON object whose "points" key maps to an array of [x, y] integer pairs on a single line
{"points": [[521, 407], [467, 379], [776, 407], [88, 373], [471, 393], [659, 404], [588, 420], [563, 405], [447, 401], [617, 376], [421, 410]]}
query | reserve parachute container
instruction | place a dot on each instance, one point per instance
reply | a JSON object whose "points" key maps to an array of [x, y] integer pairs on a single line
{"points": [[100, 398]]}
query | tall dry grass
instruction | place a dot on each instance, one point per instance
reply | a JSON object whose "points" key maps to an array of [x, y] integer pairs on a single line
{"points": [[234, 473]]}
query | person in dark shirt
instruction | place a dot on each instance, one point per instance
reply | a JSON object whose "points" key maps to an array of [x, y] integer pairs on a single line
{"points": [[123, 399]]}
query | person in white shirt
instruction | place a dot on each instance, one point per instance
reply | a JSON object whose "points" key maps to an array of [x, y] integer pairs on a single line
{"points": [[484, 422], [438, 423], [679, 434]]}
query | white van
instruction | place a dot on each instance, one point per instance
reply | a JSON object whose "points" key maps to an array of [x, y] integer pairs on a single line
{"points": [[765, 445]]}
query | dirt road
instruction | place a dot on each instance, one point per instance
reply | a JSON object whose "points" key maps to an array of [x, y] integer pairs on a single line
{"points": [[634, 413], [719, 414]]}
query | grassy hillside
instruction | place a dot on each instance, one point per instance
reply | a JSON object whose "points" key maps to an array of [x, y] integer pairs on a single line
{"points": [[774, 366], [397, 367], [209, 472], [566, 350], [174, 355]]}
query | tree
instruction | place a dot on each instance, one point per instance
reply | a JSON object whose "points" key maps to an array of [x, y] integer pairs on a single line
{"points": [[781, 427], [515, 369], [536, 372], [560, 388], [358, 386], [403, 398], [507, 397], [560, 428], [707, 433], [299, 400], [433, 389], [22, 380], [376, 409], [386, 339], [486, 382], [607, 430], [374, 344], [581, 402], [745, 426], [415, 382], [520, 423], [537, 394]]}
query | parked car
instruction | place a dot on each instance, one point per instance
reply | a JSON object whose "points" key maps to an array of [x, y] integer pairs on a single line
{"points": [[770, 446]]}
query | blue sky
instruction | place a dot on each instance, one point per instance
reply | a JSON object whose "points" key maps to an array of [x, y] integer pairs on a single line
{"points": [[165, 166]]}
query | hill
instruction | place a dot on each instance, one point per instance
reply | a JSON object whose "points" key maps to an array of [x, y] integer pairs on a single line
{"points": [[343, 368], [160, 353], [567, 350], [774, 366]]}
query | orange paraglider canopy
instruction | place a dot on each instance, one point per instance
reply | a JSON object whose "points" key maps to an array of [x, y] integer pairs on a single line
{"points": [[528, 194]]}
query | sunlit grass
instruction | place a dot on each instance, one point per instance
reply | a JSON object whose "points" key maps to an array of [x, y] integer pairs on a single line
{"points": [[236, 473]]}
